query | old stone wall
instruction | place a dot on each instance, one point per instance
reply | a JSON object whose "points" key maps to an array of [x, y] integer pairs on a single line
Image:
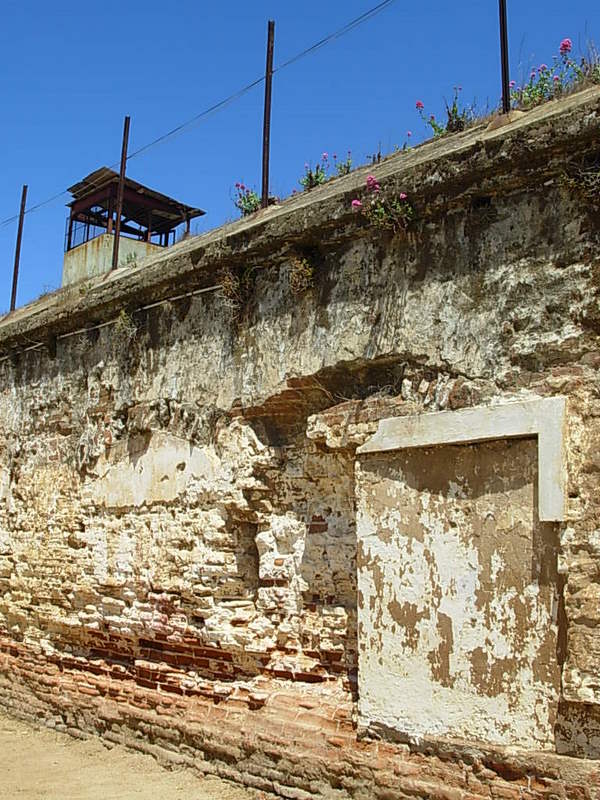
{"points": [[186, 563]]}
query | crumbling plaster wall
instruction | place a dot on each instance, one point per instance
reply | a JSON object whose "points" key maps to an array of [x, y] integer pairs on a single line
{"points": [[178, 488], [458, 595]]}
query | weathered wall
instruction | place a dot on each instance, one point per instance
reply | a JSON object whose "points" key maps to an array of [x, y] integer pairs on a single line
{"points": [[179, 488], [95, 257], [458, 595]]}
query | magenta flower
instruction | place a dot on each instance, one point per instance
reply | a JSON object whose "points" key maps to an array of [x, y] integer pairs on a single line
{"points": [[419, 105], [512, 84], [372, 184], [403, 196], [565, 47], [543, 68], [556, 79], [356, 204], [237, 186], [409, 134], [325, 156]]}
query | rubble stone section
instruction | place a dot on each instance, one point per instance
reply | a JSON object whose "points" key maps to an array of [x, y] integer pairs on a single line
{"points": [[182, 563]]}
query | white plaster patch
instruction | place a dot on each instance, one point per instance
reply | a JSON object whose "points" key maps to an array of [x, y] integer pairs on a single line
{"points": [[139, 472], [455, 629], [4, 482]]}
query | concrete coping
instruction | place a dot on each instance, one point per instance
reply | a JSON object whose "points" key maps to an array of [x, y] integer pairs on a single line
{"points": [[544, 418]]}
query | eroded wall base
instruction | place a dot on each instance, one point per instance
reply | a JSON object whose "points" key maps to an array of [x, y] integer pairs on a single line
{"points": [[290, 740]]}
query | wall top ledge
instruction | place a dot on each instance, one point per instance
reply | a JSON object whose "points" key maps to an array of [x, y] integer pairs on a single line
{"points": [[444, 172]]}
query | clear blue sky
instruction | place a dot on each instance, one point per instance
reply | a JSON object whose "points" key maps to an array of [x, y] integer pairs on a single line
{"points": [[72, 70]]}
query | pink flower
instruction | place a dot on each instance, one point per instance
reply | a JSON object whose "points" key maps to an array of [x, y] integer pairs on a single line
{"points": [[237, 186], [512, 84], [403, 196], [556, 79], [325, 156], [565, 47], [419, 105], [356, 204], [543, 68], [409, 134], [372, 184]]}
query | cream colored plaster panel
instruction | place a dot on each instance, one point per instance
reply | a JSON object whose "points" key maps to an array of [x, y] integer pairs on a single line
{"points": [[457, 596], [544, 418], [145, 470]]}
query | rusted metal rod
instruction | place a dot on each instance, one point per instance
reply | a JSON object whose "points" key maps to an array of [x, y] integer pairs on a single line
{"points": [[504, 58], [13, 297], [115, 259], [267, 117]]}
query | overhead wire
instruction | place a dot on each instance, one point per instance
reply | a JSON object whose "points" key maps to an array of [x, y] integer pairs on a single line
{"points": [[349, 26]]}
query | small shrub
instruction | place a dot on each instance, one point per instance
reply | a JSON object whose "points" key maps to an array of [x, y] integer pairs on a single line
{"points": [[343, 167], [394, 214], [317, 176], [232, 289], [437, 128], [564, 75], [302, 275], [246, 200], [123, 333], [458, 117]]}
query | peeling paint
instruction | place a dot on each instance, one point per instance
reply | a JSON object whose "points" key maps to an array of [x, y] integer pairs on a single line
{"points": [[456, 622]]}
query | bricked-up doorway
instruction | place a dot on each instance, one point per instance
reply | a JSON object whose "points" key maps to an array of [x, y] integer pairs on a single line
{"points": [[457, 595]]}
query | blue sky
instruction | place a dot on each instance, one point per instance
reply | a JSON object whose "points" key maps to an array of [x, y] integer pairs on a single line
{"points": [[72, 70]]}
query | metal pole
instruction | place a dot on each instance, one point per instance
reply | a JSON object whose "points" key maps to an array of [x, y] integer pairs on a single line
{"points": [[13, 297], [115, 260], [504, 58], [267, 118]]}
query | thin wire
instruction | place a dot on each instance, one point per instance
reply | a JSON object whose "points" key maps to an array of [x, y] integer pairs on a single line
{"points": [[86, 330], [337, 34], [349, 26]]}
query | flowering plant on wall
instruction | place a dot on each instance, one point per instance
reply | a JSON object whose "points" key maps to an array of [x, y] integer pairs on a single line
{"points": [[547, 82], [246, 199], [394, 213], [321, 173], [458, 116], [343, 167], [318, 175]]}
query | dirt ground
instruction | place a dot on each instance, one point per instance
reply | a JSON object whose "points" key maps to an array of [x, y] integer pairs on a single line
{"points": [[39, 764]]}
